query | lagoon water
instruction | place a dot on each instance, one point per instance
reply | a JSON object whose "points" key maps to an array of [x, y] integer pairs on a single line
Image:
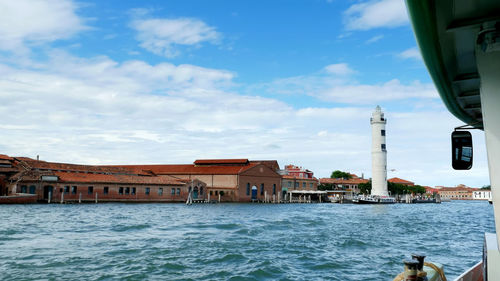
{"points": [[236, 241]]}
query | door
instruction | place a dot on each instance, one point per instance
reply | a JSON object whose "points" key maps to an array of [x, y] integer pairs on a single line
{"points": [[48, 190], [254, 192], [195, 192]]}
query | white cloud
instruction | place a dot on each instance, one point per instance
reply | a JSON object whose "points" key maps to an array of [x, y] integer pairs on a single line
{"points": [[412, 53], [25, 22], [339, 69], [376, 14], [369, 94], [160, 36], [374, 39], [338, 87]]}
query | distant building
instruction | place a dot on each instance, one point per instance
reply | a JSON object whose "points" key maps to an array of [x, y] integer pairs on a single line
{"points": [[345, 184], [460, 192], [297, 178], [237, 180], [401, 181], [481, 194]]}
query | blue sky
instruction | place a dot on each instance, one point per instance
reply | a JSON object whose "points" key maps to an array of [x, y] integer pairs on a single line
{"points": [[104, 82]]}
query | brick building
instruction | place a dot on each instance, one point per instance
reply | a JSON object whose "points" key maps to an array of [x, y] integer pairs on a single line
{"points": [[235, 180], [460, 192], [232, 179]]}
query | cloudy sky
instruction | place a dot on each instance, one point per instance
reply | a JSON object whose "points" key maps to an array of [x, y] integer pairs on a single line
{"points": [[115, 82]]}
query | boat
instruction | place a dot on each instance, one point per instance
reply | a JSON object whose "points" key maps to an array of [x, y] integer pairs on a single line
{"points": [[374, 200], [460, 45], [334, 199]]}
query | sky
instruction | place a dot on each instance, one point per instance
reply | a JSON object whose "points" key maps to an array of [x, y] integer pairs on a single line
{"points": [[149, 82]]}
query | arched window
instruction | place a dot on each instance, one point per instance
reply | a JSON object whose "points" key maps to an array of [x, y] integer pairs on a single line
{"points": [[201, 190], [261, 189], [274, 189], [248, 188]]}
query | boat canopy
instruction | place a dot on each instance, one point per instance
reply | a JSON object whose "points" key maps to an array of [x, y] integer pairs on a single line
{"points": [[447, 40]]}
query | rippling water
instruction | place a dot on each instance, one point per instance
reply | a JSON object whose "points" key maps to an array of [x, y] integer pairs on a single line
{"points": [[236, 241]]}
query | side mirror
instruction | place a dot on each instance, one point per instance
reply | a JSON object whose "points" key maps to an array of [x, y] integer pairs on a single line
{"points": [[461, 150]]}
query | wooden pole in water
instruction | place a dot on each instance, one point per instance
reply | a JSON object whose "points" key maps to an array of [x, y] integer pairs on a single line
{"points": [[208, 197], [80, 198], [219, 197], [50, 197], [96, 197], [62, 197]]}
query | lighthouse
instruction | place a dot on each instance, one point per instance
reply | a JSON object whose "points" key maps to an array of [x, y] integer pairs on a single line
{"points": [[379, 154]]}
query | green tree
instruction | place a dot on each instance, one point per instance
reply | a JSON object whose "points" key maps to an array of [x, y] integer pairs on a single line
{"points": [[486, 187], [340, 175], [365, 188], [326, 186]]}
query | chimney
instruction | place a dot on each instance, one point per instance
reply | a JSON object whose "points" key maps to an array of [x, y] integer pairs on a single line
{"points": [[38, 158]]}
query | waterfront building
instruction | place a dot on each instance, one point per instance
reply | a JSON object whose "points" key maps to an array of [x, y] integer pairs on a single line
{"points": [[36, 180], [233, 180], [460, 192], [481, 195], [238, 180], [379, 153], [348, 185]]}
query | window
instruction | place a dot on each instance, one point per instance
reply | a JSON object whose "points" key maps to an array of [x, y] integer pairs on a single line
{"points": [[105, 190], [311, 185], [382, 132], [66, 189], [24, 189], [133, 190], [160, 191], [248, 189], [127, 190], [216, 192], [172, 191], [383, 146], [289, 184], [274, 189], [91, 190], [296, 185], [261, 189], [120, 190], [201, 190], [73, 190], [211, 193], [178, 191], [32, 189], [147, 190], [304, 185]]}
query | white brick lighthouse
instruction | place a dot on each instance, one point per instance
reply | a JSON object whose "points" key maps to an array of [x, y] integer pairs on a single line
{"points": [[379, 154]]}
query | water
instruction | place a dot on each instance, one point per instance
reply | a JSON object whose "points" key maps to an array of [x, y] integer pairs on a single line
{"points": [[236, 241]]}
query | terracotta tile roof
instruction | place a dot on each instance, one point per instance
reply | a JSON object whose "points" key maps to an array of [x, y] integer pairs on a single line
{"points": [[75, 167], [401, 181], [221, 161], [457, 188], [5, 157], [343, 181], [190, 169], [116, 178]]}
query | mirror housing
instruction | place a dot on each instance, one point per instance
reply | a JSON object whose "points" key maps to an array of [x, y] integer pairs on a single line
{"points": [[461, 150]]}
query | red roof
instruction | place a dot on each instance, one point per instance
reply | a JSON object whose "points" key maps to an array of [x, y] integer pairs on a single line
{"points": [[116, 178], [220, 161], [5, 157], [190, 169], [400, 181]]}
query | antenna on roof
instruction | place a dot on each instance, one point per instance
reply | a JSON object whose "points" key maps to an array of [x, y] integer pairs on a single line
{"points": [[38, 158]]}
